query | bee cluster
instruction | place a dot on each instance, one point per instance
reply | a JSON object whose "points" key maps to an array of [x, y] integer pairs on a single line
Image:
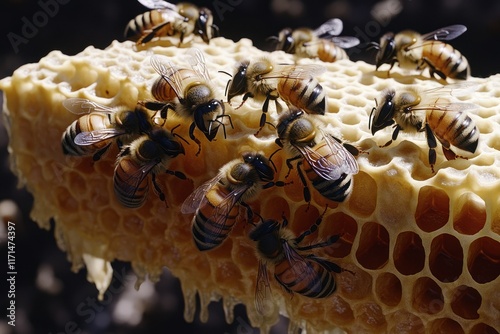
{"points": [[324, 163]]}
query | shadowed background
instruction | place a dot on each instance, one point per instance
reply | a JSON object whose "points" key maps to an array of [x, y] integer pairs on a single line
{"points": [[52, 299]]}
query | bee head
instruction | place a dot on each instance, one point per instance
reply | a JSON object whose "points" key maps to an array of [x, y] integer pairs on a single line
{"points": [[285, 41], [266, 234], [386, 50], [286, 121], [260, 165], [165, 142], [238, 84], [204, 27], [382, 115]]}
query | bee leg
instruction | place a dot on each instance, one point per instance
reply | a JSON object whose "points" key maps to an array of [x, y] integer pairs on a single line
{"points": [[433, 70], [97, 155], [177, 135], [244, 99], [159, 107], [271, 156], [155, 32], [394, 136], [177, 174], [311, 229], [307, 192], [431, 141], [449, 154], [327, 264], [193, 138], [263, 116], [289, 164], [249, 211], [158, 189], [351, 148]]}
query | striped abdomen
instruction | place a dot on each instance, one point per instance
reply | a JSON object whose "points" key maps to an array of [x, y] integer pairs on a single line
{"points": [[446, 60], [127, 191], [336, 190], [146, 21], [317, 282], [329, 52], [86, 123], [162, 91], [455, 128], [306, 94], [211, 228]]}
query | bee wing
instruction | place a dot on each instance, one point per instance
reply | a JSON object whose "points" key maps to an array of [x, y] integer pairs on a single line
{"points": [[300, 266], [456, 89], [447, 106], [446, 33], [332, 27], [135, 179], [169, 73], [81, 106], [263, 303], [345, 42], [339, 161], [304, 71], [157, 4], [96, 136], [197, 61], [195, 199], [221, 211]]}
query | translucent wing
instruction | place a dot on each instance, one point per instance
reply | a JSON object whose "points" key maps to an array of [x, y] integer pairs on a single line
{"points": [[263, 296], [446, 33], [157, 4], [345, 42], [302, 270], [197, 61], [295, 71], [332, 27], [96, 136], [134, 180], [169, 73], [456, 89], [80, 106], [221, 211], [195, 199], [446, 106], [331, 167]]}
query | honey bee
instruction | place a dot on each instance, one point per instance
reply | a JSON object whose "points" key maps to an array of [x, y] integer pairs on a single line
{"points": [[166, 19], [308, 275], [94, 132], [216, 203], [190, 94], [431, 112], [294, 84], [328, 164], [414, 51], [322, 43], [148, 154]]}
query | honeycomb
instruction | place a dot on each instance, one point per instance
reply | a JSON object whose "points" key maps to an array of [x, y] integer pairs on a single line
{"points": [[421, 250]]}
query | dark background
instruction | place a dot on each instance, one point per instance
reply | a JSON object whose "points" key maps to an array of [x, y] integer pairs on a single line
{"points": [[48, 307]]}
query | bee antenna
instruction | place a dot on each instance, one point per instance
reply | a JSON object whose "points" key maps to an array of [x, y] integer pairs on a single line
{"points": [[371, 114], [177, 135], [226, 73], [370, 45], [271, 159], [272, 39]]}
